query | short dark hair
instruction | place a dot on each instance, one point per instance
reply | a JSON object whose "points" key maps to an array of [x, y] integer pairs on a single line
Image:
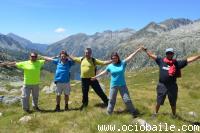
{"points": [[88, 49], [116, 54], [63, 52], [34, 53]]}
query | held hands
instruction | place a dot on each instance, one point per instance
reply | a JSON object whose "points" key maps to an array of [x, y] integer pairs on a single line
{"points": [[144, 49], [3, 64], [7, 64], [141, 47], [93, 78]]}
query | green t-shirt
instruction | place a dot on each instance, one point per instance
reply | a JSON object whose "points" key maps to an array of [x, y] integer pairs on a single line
{"points": [[31, 71]]}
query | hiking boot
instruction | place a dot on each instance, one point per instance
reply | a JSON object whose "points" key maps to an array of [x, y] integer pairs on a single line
{"points": [[135, 114], [109, 113], [82, 107], [27, 111], [57, 109], [66, 107]]}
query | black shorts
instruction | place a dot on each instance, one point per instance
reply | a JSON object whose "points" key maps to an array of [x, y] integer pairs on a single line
{"points": [[170, 90]]}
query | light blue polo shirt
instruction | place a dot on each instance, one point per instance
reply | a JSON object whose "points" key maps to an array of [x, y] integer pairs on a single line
{"points": [[62, 74], [117, 72]]}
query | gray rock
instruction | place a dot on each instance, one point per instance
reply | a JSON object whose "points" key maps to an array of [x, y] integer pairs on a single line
{"points": [[9, 100], [49, 89], [72, 85], [25, 119], [193, 114], [1, 98], [78, 82], [15, 91], [3, 90], [17, 84], [142, 122], [45, 89]]}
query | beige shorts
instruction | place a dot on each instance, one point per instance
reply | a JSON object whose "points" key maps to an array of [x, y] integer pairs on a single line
{"points": [[60, 87]]}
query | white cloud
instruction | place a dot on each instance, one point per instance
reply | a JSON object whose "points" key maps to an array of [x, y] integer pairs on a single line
{"points": [[59, 30]]}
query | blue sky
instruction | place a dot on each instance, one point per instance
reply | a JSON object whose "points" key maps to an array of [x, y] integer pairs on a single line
{"points": [[48, 21]]}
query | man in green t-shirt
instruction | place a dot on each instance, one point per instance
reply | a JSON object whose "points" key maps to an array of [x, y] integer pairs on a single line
{"points": [[88, 70], [32, 72]]}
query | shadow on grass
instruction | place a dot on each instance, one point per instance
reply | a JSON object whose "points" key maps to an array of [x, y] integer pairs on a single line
{"points": [[100, 105], [62, 110], [125, 111], [178, 117], [184, 120]]}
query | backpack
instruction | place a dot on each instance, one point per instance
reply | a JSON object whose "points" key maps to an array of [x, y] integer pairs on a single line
{"points": [[94, 63], [172, 70]]}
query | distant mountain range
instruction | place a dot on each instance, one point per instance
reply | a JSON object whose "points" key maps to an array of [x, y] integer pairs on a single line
{"points": [[99, 42], [182, 34], [26, 44], [17, 43]]}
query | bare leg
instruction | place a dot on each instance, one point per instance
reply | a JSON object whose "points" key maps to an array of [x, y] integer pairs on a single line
{"points": [[173, 110], [157, 108], [58, 99], [57, 103], [66, 102]]}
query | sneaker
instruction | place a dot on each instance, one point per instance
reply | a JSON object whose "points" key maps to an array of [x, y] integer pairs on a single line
{"points": [[36, 108], [174, 116], [57, 109], [154, 115], [109, 113], [27, 111], [66, 107]]}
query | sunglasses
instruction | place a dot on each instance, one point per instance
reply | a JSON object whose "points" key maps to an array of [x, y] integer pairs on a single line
{"points": [[33, 56], [169, 53]]}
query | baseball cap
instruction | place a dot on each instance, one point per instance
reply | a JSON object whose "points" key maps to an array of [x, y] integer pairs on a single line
{"points": [[169, 50]]}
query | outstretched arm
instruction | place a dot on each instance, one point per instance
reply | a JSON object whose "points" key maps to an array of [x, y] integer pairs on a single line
{"points": [[193, 58], [132, 55], [47, 59], [75, 59], [8, 64], [107, 62], [71, 57], [149, 53], [98, 75]]}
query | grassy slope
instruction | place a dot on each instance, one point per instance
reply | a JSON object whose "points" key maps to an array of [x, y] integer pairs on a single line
{"points": [[141, 85]]}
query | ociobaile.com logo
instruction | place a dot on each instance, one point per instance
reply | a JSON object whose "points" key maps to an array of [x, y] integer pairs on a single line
{"points": [[162, 127]]}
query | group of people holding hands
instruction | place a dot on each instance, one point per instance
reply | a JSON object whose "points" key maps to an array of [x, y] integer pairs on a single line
{"points": [[169, 71]]}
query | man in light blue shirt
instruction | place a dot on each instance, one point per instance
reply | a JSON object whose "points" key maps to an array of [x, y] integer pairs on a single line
{"points": [[62, 74], [62, 78]]}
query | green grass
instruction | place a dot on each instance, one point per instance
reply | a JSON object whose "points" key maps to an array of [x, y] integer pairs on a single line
{"points": [[141, 85]]}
